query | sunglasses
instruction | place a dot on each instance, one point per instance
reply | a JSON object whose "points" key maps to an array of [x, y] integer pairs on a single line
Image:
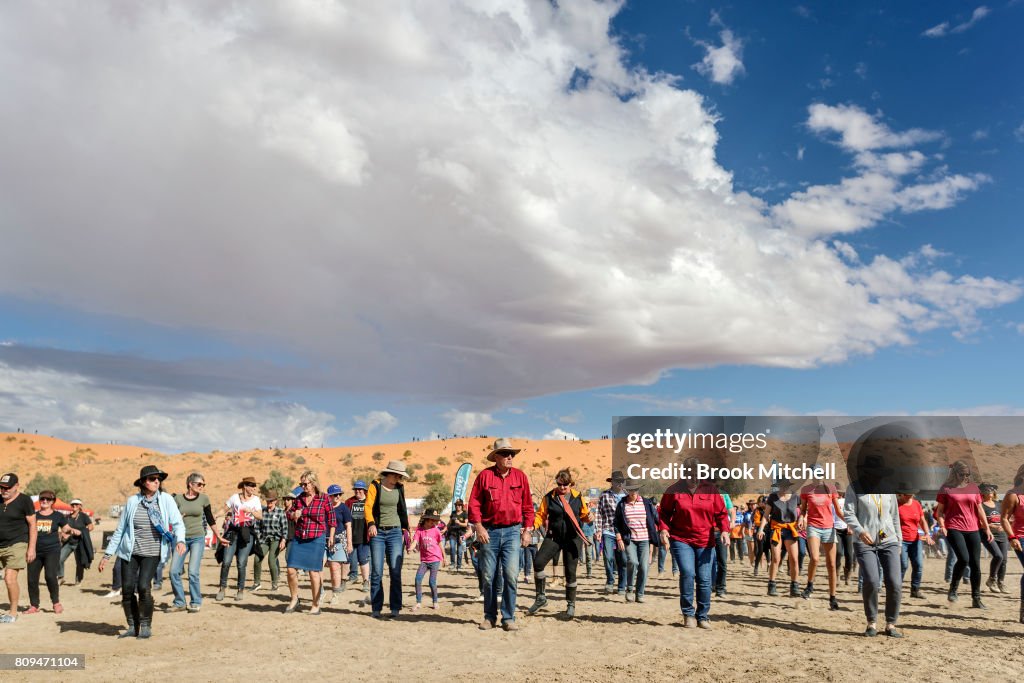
{"points": [[153, 477], [199, 484], [504, 455], [47, 500], [336, 495], [305, 483], [5, 488]]}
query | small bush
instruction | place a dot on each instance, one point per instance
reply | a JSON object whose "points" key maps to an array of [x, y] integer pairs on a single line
{"points": [[278, 483], [378, 456], [299, 460], [439, 495], [441, 460], [407, 454], [432, 478]]}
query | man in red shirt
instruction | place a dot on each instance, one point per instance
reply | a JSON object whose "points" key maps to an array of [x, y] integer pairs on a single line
{"points": [[501, 511]]}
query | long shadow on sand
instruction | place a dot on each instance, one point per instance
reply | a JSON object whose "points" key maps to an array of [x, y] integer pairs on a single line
{"points": [[606, 619], [768, 622], [93, 627], [992, 632]]}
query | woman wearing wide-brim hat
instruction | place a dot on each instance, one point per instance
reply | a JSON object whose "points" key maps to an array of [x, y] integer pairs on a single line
{"points": [[149, 526], [387, 528], [242, 511]]}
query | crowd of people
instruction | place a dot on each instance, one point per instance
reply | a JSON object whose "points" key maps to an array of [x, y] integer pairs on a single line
{"points": [[335, 541]]}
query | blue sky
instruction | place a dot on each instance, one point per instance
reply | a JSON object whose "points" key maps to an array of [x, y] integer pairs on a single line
{"points": [[345, 223]]}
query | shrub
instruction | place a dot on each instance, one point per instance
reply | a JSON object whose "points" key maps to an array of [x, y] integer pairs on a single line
{"points": [[378, 456], [407, 455], [432, 478], [299, 460], [439, 495], [441, 460], [51, 482], [277, 483]]}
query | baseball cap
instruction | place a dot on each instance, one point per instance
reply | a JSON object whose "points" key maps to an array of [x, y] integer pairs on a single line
{"points": [[334, 490], [360, 484], [9, 479]]}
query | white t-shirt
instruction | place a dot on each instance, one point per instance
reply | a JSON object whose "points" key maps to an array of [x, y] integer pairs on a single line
{"points": [[242, 510], [838, 521]]}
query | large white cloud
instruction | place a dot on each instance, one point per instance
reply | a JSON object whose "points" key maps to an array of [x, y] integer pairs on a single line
{"points": [[83, 408], [375, 421], [412, 198]]}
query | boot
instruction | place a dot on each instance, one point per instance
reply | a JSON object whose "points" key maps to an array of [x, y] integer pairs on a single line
{"points": [[570, 602], [916, 593], [145, 628], [131, 615], [794, 589], [976, 602], [541, 599], [806, 594], [771, 588]]}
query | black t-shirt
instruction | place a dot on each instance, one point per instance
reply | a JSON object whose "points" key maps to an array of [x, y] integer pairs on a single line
{"points": [[457, 524], [48, 532], [82, 524], [359, 522], [13, 527], [784, 511]]}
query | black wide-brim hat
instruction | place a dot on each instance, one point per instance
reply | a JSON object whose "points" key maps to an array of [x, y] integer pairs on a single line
{"points": [[149, 471]]}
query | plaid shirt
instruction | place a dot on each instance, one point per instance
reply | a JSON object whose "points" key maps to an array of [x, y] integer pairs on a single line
{"points": [[274, 525], [317, 516], [606, 512]]}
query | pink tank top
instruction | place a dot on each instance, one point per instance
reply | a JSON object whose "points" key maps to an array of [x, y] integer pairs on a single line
{"points": [[1018, 517]]}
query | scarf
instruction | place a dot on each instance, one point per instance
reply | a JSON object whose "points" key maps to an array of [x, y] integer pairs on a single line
{"points": [[152, 508]]}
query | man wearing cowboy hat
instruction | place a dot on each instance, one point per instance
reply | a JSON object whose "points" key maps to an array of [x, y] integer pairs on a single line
{"points": [[501, 511], [614, 559]]}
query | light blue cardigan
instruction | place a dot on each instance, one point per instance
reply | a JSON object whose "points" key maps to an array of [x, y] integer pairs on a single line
{"points": [[123, 540]]}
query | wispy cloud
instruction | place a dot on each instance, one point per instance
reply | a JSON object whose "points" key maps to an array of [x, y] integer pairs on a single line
{"points": [[861, 131], [722, 63], [561, 435], [945, 28], [673, 405], [374, 422], [468, 423]]}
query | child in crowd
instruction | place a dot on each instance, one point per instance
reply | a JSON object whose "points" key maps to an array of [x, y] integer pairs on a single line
{"points": [[428, 539]]}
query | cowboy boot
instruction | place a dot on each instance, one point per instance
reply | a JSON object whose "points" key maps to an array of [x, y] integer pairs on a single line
{"points": [[570, 602], [541, 598]]}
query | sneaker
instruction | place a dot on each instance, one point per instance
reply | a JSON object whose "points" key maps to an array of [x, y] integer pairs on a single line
{"points": [[640, 598], [916, 593], [833, 604], [952, 596], [366, 586], [1001, 587], [220, 594], [871, 632], [194, 608], [417, 607], [239, 594], [434, 605], [704, 624], [629, 596], [273, 586], [892, 632], [991, 584], [174, 608], [622, 594], [7, 619], [31, 610], [257, 587], [58, 608], [689, 621], [510, 626], [486, 625], [807, 591], [111, 595]]}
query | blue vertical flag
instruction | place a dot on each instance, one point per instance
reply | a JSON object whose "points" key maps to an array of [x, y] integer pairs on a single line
{"points": [[461, 487]]}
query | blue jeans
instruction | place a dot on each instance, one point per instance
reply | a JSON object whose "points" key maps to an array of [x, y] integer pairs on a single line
{"points": [[456, 549], [390, 545], [241, 550], [614, 563], [662, 554], [695, 566], [912, 556], [194, 548], [360, 556], [501, 552], [638, 558]]}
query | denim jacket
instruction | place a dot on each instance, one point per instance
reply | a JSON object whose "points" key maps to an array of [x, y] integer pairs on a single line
{"points": [[123, 540]]}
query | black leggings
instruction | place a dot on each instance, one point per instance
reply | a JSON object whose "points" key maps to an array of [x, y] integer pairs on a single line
{"points": [[966, 546], [845, 543], [763, 548], [999, 549], [137, 587], [550, 549], [49, 563]]}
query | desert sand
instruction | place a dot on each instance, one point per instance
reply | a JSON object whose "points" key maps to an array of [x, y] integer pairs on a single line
{"points": [[754, 637]]}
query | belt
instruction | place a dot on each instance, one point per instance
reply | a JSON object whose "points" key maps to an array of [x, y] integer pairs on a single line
{"points": [[387, 528], [501, 526]]}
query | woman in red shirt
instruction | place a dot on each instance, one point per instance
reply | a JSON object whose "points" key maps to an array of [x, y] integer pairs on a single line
{"points": [[912, 523], [960, 516], [819, 506], [690, 512], [1012, 519]]}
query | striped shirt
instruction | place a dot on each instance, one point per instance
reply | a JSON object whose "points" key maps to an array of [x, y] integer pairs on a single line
{"points": [[636, 519], [147, 539]]}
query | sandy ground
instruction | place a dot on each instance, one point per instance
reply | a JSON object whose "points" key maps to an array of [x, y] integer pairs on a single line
{"points": [[754, 636]]}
